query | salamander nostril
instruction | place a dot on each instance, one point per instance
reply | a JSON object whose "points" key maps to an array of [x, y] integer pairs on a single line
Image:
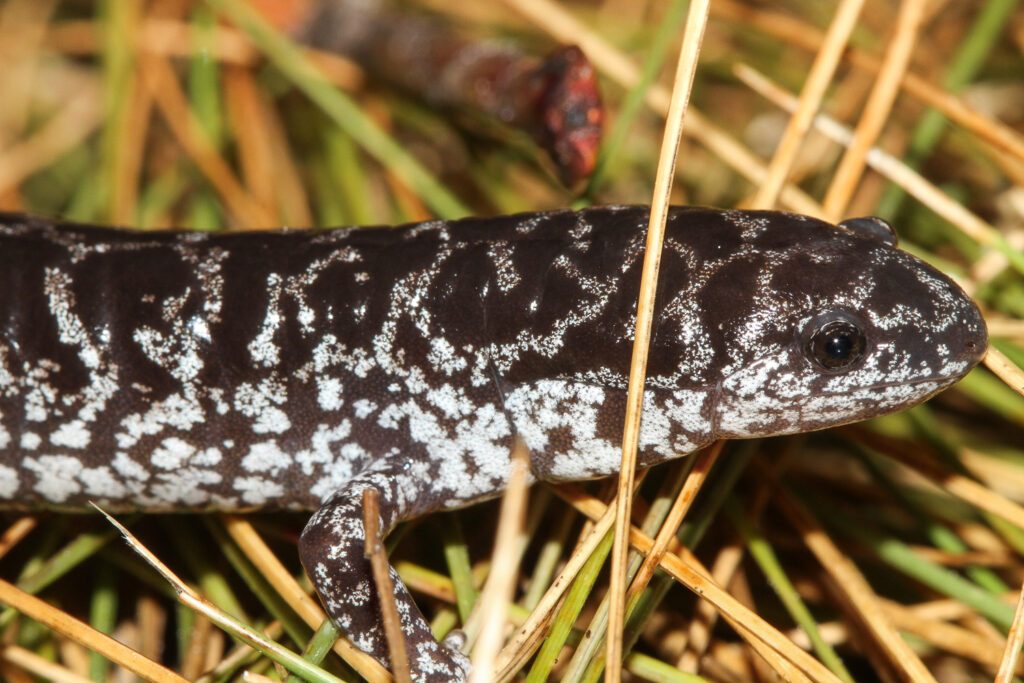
{"points": [[976, 346]]}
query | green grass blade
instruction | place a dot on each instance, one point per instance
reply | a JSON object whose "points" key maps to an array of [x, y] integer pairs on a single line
{"points": [[288, 58]]}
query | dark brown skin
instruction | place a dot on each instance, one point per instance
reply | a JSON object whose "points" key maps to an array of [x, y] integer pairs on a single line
{"points": [[171, 372]]}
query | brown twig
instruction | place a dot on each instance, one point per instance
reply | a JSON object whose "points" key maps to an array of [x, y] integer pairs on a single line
{"points": [[813, 91], [854, 590], [385, 588], [876, 111], [693, 36], [1008, 665], [163, 84], [16, 532], [500, 586], [705, 461], [687, 570], [81, 632], [996, 361]]}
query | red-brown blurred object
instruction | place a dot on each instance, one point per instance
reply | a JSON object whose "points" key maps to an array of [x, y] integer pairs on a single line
{"points": [[555, 100]]}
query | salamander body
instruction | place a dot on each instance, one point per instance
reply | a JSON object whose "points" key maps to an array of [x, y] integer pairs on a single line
{"points": [[292, 370]]}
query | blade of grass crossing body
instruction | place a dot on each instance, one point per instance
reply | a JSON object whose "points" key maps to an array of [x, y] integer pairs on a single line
{"points": [[970, 56], [766, 559], [686, 67], [288, 58]]}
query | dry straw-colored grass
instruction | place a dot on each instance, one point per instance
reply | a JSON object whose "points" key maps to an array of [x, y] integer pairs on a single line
{"points": [[888, 551]]}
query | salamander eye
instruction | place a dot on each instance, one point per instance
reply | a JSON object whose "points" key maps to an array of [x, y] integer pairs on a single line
{"points": [[836, 344]]}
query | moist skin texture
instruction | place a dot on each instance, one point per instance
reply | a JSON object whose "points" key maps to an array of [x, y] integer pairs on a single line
{"points": [[294, 369]]}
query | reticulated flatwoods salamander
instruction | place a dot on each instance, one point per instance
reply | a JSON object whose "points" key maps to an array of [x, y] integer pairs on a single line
{"points": [[171, 371]]}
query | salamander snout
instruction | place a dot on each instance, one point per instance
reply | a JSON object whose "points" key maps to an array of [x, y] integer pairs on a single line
{"points": [[974, 341]]}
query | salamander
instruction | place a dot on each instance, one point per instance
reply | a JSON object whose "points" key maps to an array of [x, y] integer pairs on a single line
{"points": [[175, 371]]}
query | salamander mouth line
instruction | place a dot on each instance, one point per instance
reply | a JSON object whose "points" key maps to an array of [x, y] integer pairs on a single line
{"points": [[939, 379], [715, 390]]}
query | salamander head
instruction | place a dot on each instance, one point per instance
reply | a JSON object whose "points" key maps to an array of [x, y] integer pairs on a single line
{"points": [[807, 325]]}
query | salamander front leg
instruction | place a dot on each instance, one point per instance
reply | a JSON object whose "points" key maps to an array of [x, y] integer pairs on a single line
{"points": [[332, 548]]}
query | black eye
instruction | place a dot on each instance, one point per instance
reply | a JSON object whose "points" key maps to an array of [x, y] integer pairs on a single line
{"points": [[836, 344]]}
